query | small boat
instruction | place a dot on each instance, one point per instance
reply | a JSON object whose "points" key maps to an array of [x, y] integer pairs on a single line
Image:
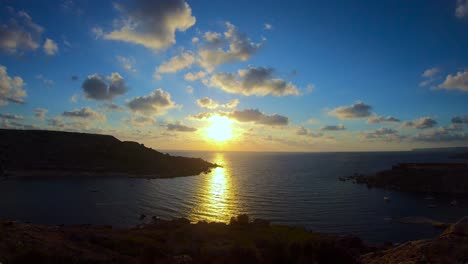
{"points": [[386, 199], [454, 203]]}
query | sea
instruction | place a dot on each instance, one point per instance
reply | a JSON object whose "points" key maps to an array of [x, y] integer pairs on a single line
{"points": [[297, 189]]}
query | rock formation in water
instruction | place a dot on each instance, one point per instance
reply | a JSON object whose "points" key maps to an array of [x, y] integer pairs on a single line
{"points": [[33, 152]]}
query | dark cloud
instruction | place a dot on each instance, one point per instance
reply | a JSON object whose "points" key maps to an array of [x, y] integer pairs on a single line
{"points": [[40, 113], [381, 119], [421, 123], [74, 78], [460, 119], [179, 127], [84, 113], [140, 121], [158, 102], [383, 134], [257, 117], [99, 88], [332, 128], [209, 103], [253, 81], [303, 131], [150, 23], [357, 110]]}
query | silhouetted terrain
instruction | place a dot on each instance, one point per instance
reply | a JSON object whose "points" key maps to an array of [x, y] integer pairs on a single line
{"points": [[420, 177], [32, 152], [242, 241]]}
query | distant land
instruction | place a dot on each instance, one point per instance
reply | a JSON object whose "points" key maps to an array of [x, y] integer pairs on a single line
{"points": [[30, 153], [449, 149]]}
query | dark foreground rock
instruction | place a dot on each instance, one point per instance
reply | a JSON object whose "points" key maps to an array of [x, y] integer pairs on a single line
{"points": [[451, 247], [176, 241], [448, 178], [53, 153]]}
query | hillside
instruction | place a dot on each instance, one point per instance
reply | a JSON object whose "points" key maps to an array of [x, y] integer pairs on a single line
{"points": [[32, 152]]}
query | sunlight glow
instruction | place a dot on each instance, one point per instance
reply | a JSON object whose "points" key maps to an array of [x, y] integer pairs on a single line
{"points": [[220, 130]]}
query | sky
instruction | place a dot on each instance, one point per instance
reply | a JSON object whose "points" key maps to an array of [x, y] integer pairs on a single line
{"points": [[240, 75]]}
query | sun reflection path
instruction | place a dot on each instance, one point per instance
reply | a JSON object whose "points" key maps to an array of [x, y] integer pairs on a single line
{"points": [[215, 199]]}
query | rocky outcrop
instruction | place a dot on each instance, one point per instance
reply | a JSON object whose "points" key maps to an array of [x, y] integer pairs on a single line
{"points": [[39, 152], [451, 247]]}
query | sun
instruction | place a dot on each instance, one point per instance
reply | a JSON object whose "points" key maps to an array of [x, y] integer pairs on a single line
{"points": [[220, 129]]}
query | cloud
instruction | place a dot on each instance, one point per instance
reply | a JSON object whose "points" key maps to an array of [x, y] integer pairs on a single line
{"points": [[84, 113], [239, 48], [383, 134], [56, 122], [462, 8], [303, 131], [441, 135], [430, 75], [176, 63], [179, 127], [253, 81], [381, 119], [267, 26], [127, 63], [189, 89], [195, 40], [194, 76], [11, 117], [140, 121], [48, 83], [20, 34], [156, 103], [152, 24], [50, 47], [40, 113], [74, 78], [11, 88], [332, 128], [209, 103], [96, 87], [201, 116], [456, 82], [112, 107], [420, 123], [460, 119], [257, 117], [357, 110]]}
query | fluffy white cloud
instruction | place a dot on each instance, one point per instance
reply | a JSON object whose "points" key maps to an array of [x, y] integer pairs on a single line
{"points": [[20, 33], [462, 8], [152, 24], [156, 103], [420, 123], [239, 48], [267, 26], [357, 110], [176, 63], [332, 128], [194, 76], [381, 119], [456, 82], [40, 113], [96, 87], [431, 72], [50, 47], [11, 88], [209, 103], [179, 127], [85, 113], [257, 117], [253, 81]]}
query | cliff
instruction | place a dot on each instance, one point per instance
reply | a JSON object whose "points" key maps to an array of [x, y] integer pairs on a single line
{"points": [[39, 152]]}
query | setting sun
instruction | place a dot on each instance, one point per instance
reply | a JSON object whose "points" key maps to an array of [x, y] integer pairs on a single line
{"points": [[220, 129]]}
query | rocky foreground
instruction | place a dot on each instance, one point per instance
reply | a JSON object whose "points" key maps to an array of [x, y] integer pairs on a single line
{"points": [[29, 153], [443, 178], [241, 241]]}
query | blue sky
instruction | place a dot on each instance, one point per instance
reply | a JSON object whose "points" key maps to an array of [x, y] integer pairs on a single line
{"points": [[295, 76]]}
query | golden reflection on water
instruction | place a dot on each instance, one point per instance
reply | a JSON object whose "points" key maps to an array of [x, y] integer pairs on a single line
{"points": [[215, 199]]}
